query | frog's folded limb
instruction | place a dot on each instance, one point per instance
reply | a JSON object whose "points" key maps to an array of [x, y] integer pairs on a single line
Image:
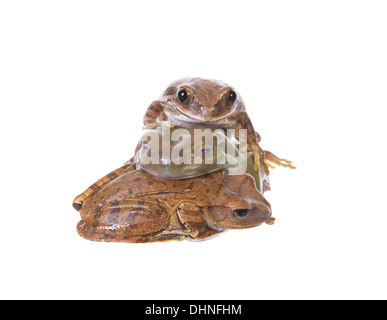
{"points": [[93, 189], [168, 124], [154, 115], [253, 139], [259, 138], [191, 217], [84, 233], [126, 221], [258, 155], [272, 160], [188, 222], [255, 150]]}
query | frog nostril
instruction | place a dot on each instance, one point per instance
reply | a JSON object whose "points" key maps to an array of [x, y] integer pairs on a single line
{"points": [[264, 213]]}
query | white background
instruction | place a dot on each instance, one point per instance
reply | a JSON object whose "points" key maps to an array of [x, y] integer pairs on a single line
{"points": [[75, 80]]}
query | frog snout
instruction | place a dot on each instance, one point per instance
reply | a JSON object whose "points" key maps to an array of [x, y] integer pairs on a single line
{"points": [[260, 214], [252, 217], [263, 212]]}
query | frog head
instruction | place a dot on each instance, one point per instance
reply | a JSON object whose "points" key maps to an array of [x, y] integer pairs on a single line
{"points": [[202, 100], [239, 205]]}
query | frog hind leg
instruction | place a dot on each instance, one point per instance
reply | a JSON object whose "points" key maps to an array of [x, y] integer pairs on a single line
{"points": [[256, 153], [126, 221], [272, 160], [259, 157], [253, 139], [129, 239], [93, 189]]}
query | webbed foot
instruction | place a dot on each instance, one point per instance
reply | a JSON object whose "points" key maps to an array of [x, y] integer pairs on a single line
{"points": [[272, 161]]}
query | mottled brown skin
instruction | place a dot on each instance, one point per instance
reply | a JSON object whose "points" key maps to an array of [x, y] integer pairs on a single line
{"points": [[190, 218], [138, 207], [96, 186], [208, 104]]}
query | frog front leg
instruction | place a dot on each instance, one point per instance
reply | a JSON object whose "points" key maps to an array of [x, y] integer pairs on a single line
{"points": [[155, 116], [95, 187], [127, 221], [192, 220], [253, 139]]}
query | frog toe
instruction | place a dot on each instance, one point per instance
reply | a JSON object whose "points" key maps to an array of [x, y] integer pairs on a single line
{"points": [[270, 221]]}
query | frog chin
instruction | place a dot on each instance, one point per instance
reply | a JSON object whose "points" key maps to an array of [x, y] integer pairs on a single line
{"points": [[231, 226], [236, 227], [257, 216]]}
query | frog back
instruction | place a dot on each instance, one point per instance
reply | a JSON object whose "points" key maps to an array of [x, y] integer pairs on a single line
{"points": [[141, 186]]}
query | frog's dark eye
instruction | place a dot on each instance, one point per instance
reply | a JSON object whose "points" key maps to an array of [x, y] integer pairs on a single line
{"points": [[183, 95], [231, 96], [241, 213]]}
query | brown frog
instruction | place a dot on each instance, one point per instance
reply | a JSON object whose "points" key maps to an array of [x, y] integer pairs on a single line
{"points": [[138, 207], [260, 177], [192, 101]]}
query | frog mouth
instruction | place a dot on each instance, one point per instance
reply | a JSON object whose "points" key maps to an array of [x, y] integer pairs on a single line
{"points": [[201, 118], [204, 119]]}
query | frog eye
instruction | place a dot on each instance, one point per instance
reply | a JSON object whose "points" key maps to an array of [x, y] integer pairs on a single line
{"points": [[231, 97], [241, 213], [183, 95]]}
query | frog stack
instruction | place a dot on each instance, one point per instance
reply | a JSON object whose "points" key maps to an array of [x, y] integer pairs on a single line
{"points": [[172, 189]]}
